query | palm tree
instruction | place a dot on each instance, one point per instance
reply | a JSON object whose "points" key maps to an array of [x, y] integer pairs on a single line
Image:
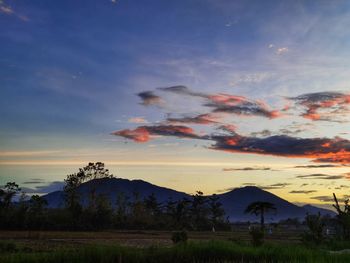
{"points": [[260, 208]]}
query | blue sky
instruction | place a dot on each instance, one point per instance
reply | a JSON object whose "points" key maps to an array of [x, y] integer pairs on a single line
{"points": [[70, 72]]}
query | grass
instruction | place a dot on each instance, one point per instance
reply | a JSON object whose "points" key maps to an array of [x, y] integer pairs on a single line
{"points": [[197, 251]]}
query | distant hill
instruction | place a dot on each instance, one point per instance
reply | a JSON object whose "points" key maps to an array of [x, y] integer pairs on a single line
{"points": [[315, 210], [234, 202], [111, 187]]}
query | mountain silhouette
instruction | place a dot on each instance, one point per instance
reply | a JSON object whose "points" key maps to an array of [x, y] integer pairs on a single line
{"points": [[234, 202]]}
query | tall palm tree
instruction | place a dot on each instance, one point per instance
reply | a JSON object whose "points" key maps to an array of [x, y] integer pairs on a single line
{"points": [[260, 208]]}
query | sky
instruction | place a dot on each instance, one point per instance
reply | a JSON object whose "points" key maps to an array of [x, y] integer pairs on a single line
{"points": [[193, 95]]}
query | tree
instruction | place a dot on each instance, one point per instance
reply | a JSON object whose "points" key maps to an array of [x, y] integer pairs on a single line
{"points": [[72, 197], [178, 212], [199, 210], [8, 193], [260, 208], [216, 210], [36, 212], [315, 223], [138, 211], [343, 216], [94, 171], [73, 181], [121, 209], [151, 204]]}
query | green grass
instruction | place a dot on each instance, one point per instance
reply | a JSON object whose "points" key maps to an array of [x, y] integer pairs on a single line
{"points": [[206, 251]]}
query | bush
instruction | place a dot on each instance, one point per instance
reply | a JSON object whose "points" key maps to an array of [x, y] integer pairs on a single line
{"points": [[314, 235], [257, 236], [179, 237], [6, 247]]}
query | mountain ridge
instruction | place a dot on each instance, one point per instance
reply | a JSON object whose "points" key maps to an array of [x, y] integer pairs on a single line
{"points": [[234, 202]]}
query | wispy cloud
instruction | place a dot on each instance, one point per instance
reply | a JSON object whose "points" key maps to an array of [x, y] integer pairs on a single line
{"points": [[137, 120], [302, 191], [282, 50], [144, 133], [274, 186], [27, 153], [323, 106], [263, 187], [149, 98], [312, 166], [247, 169], [8, 10], [321, 176], [199, 119], [227, 103], [323, 198], [45, 188]]}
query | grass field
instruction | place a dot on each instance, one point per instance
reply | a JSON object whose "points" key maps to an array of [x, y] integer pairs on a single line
{"points": [[156, 246]]}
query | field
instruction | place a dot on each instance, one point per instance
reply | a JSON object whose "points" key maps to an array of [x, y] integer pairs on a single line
{"points": [[282, 245]]}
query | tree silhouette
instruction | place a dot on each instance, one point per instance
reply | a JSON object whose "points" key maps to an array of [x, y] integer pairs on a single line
{"points": [[343, 216], [216, 210], [7, 194], [73, 181], [260, 208]]}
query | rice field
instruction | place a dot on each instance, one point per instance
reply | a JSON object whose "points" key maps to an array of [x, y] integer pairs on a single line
{"points": [[156, 246]]}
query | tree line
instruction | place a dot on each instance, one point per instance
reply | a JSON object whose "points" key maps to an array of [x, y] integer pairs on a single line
{"points": [[198, 212]]}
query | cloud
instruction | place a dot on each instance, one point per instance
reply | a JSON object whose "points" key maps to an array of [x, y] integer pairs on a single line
{"points": [[149, 98], [265, 187], [27, 153], [336, 150], [274, 186], [321, 176], [247, 169], [226, 103], [263, 133], [230, 128], [8, 10], [323, 198], [328, 199], [239, 105], [199, 119], [44, 189], [323, 106], [144, 133], [327, 150], [137, 120], [302, 191], [34, 181], [183, 90], [282, 50], [311, 166]]}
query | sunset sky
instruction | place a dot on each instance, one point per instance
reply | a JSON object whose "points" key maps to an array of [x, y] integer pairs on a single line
{"points": [[193, 95]]}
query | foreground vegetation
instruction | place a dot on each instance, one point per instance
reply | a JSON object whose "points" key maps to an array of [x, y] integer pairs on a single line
{"points": [[208, 251]]}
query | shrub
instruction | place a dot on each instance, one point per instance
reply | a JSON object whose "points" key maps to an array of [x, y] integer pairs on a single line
{"points": [[179, 237], [314, 235], [257, 236], [8, 247]]}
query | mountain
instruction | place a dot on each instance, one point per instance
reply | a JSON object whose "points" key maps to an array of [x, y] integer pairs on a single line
{"points": [[238, 199], [111, 187], [234, 202], [315, 210]]}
